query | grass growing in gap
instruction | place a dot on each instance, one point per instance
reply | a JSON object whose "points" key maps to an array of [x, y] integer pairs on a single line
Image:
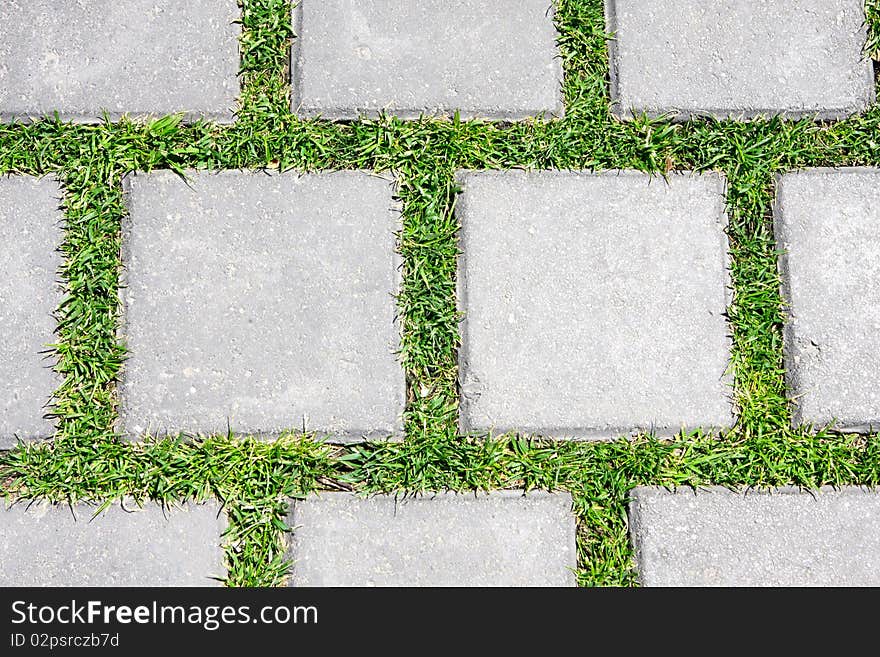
{"points": [[254, 479], [872, 9]]}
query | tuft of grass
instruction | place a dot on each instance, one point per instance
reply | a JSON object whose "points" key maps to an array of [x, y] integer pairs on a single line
{"points": [[256, 480], [872, 9]]}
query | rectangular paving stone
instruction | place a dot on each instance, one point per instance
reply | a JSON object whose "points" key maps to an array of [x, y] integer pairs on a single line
{"points": [[485, 58], [594, 304], [136, 57], [786, 537], [504, 538], [265, 301], [741, 59], [828, 231], [31, 232], [44, 544]]}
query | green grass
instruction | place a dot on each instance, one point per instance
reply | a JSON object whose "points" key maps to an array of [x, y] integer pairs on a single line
{"points": [[872, 9], [254, 479]]}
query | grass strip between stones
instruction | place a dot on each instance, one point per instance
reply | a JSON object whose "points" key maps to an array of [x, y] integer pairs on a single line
{"points": [[255, 479]]}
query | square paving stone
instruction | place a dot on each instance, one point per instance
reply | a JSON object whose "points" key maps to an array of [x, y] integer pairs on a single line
{"points": [[45, 544], [261, 300], [741, 59], [504, 538], [787, 537], [828, 231], [594, 304], [485, 58], [31, 233], [136, 57]]}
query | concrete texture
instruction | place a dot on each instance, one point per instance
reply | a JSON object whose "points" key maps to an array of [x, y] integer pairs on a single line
{"points": [[358, 57], [263, 300], [739, 59], [594, 304], [31, 231], [503, 538], [56, 545], [828, 228], [135, 57], [717, 537]]}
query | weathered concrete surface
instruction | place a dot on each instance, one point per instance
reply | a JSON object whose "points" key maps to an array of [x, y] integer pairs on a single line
{"points": [[31, 232], [354, 57], [739, 59], [717, 537], [137, 57], [503, 538], [594, 304], [56, 545], [828, 230], [265, 301]]}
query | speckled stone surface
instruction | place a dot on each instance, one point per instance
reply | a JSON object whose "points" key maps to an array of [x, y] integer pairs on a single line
{"points": [[739, 59], [359, 57], [594, 304], [828, 229], [504, 538], [31, 231], [265, 301], [787, 537], [54, 545], [136, 57]]}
